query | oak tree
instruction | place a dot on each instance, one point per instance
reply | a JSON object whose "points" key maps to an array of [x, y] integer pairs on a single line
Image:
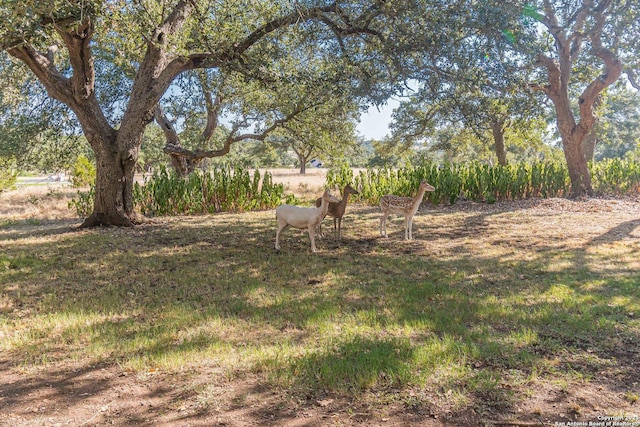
{"points": [[581, 47], [68, 44]]}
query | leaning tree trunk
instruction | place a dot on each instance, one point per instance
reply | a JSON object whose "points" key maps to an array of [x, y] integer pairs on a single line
{"points": [[497, 129], [573, 136]]}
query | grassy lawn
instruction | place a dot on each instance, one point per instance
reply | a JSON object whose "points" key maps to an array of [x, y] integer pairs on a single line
{"points": [[490, 310]]}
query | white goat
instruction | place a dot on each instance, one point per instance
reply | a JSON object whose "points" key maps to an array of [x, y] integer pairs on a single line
{"points": [[302, 218]]}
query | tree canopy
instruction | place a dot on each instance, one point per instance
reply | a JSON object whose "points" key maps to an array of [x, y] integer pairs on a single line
{"points": [[111, 63], [228, 71], [498, 51]]}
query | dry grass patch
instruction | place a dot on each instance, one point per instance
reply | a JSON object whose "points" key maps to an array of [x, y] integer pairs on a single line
{"points": [[36, 204]]}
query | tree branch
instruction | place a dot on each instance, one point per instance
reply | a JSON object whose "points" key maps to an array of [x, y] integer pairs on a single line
{"points": [[214, 106], [554, 76], [576, 37], [77, 40], [165, 124], [236, 51], [613, 70], [77, 91], [156, 72], [269, 27], [44, 69], [197, 155], [550, 21], [182, 165], [633, 78]]}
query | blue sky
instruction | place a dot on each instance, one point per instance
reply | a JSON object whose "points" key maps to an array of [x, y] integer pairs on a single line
{"points": [[374, 124]]}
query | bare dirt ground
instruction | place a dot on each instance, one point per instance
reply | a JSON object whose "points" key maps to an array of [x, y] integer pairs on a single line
{"points": [[97, 395]]}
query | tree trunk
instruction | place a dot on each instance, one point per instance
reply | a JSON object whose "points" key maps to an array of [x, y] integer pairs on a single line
{"points": [[113, 201], [180, 163], [589, 144], [590, 141], [497, 129], [578, 168], [573, 136], [303, 164], [116, 151], [303, 156]]}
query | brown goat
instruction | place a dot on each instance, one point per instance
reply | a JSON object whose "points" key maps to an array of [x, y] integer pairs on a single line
{"points": [[336, 210]]}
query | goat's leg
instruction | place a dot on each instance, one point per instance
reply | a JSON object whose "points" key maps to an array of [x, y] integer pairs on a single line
{"points": [[407, 228], [281, 226], [319, 232], [383, 225], [312, 238]]}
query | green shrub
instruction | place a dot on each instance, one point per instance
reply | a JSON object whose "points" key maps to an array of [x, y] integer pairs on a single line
{"points": [[83, 172], [339, 177], [83, 205], [8, 175]]}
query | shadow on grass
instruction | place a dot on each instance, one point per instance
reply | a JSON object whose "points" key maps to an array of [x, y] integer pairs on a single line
{"points": [[619, 232], [95, 394], [364, 315]]}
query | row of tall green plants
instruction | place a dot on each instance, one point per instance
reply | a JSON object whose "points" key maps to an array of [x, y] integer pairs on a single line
{"points": [[224, 188], [232, 188], [616, 176], [485, 183]]}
